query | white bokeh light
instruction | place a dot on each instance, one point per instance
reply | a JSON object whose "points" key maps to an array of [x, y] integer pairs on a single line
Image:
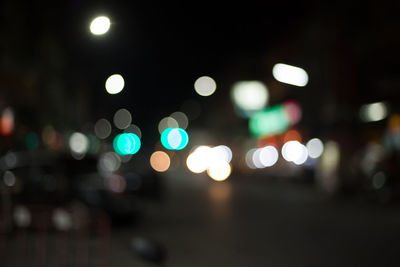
{"points": [[250, 95], [174, 138], [205, 158], [373, 112], [290, 74], [197, 161], [181, 119], [257, 159], [221, 152], [219, 171], [302, 158], [315, 148], [62, 219], [9, 178], [100, 25], [122, 118], [114, 84], [22, 216], [294, 151], [205, 86], [249, 158], [102, 128], [108, 162], [167, 122], [78, 143], [268, 156]]}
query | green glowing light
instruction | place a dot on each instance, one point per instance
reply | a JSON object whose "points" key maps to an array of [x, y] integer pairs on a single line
{"points": [[126, 144], [270, 121], [32, 141], [174, 138]]}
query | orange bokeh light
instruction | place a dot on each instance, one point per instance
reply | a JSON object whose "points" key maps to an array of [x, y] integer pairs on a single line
{"points": [[160, 161], [292, 135]]}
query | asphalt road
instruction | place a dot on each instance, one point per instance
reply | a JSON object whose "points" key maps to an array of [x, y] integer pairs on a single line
{"points": [[256, 221]]}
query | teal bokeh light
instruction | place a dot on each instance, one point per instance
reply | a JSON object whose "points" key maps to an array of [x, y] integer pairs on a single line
{"points": [[126, 144], [174, 138], [137, 143]]}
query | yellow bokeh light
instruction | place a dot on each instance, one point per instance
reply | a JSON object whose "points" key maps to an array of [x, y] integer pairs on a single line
{"points": [[219, 171], [160, 161]]}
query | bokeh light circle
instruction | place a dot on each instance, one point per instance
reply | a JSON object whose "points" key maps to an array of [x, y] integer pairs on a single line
{"points": [[174, 138], [114, 84], [109, 162], [181, 119], [100, 25], [122, 118], [290, 74], [102, 128], [197, 161], [134, 129], [205, 86], [78, 143], [160, 161], [294, 151], [315, 148], [126, 144], [219, 171], [249, 158], [268, 156], [250, 95], [167, 122]]}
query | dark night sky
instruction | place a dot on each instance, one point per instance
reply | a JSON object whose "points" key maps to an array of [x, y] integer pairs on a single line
{"points": [[161, 47]]}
